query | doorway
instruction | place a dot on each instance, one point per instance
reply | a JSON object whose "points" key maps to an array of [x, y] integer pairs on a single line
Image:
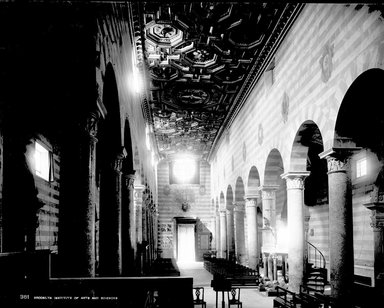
{"points": [[186, 243]]}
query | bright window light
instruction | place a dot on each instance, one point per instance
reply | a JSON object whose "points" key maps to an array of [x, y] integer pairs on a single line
{"points": [[147, 141], [135, 81], [42, 162], [361, 167], [184, 170]]}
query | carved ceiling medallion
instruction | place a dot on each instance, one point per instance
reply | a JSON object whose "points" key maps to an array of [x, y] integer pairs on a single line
{"points": [[325, 62], [260, 134], [285, 107]]}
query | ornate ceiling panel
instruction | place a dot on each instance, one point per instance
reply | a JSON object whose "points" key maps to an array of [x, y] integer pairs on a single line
{"points": [[202, 58]]}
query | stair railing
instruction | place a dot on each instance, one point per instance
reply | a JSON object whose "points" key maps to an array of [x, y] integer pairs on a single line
{"points": [[315, 255]]}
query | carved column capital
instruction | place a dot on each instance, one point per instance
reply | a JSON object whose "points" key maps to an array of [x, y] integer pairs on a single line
{"points": [[138, 193], [295, 180], [223, 213], [250, 201], [338, 158], [91, 123], [377, 215], [240, 207], [129, 180], [268, 191], [117, 164], [377, 221]]}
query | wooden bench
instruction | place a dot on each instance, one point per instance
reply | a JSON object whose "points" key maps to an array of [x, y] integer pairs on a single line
{"points": [[237, 274]]}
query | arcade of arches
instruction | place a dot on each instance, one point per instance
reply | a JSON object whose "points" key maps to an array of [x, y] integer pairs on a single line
{"points": [[297, 169]]}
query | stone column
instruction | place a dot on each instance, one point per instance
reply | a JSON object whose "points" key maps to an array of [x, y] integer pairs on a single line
{"points": [[265, 265], [230, 234], [87, 256], [144, 217], [217, 231], [252, 230], [340, 224], [268, 195], [116, 261], [296, 244], [139, 189], [223, 234], [128, 239], [156, 230], [377, 223], [240, 232], [139, 212]]}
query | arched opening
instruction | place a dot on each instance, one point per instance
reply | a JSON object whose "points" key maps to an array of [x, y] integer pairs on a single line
{"points": [[274, 193], [274, 198], [253, 213], [307, 146], [360, 122]]}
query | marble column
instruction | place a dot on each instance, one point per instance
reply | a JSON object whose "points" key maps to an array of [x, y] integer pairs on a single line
{"points": [[252, 230], [128, 239], [238, 213], [87, 256], [223, 234], [217, 231], [230, 234], [296, 244], [377, 223], [340, 224]]}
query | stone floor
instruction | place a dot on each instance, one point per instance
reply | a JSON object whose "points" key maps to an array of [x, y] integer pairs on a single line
{"points": [[250, 297]]}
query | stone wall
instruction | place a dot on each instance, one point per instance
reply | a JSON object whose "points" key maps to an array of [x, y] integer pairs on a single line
{"points": [[171, 197], [327, 48]]}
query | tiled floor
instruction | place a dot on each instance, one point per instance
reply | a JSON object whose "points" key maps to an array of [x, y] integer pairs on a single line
{"points": [[250, 297]]}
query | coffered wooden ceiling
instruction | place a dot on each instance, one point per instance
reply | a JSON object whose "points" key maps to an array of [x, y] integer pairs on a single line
{"points": [[202, 59]]}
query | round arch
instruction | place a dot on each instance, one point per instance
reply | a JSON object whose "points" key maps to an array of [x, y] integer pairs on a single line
{"points": [[360, 123], [307, 146], [229, 198], [222, 201], [239, 190], [253, 181]]}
